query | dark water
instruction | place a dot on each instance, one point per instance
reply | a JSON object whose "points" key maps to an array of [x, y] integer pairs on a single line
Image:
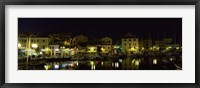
{"points": [[162, 63]]}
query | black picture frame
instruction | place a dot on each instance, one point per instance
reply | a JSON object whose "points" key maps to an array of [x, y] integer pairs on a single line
{"points": [[98, 2]]}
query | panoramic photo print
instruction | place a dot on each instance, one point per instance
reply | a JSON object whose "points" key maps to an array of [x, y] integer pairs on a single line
{"points": [[99, 44]]}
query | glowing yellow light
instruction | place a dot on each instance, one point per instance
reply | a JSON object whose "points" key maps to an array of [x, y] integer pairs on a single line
{"points": [[62, 47], [177, 48], [93, 67], [102, 49], [92, 49], [47, 49], [56, 49], [112, 64], [133, 60], [154, 61], [132, 49], [142, 48], [102, 63], [92, 62], [67, 43], [168, 48], [34, 45], [116, 64], [116, 46], [19, 45], [137, 63], [46, 67], [170, 59]]}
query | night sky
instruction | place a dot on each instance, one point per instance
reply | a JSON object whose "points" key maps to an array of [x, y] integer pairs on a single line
{"points": [[115, 28]]}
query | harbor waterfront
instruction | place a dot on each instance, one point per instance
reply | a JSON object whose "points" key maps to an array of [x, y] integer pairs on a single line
{"points": [[131, 54], [99, 44], [153, 61]]}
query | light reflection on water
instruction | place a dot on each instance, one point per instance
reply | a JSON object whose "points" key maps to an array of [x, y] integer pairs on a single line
{"points": [[117, 64], [125, 64], [73, 65]]}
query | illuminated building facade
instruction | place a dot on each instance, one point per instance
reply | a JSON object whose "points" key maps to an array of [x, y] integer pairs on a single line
{"points": [[80, 42], [145, 44], [163, 44], [91, 49], [64, 38], [36, 44], [106, 45], [54, 49], [130, 44], [79, 39]]}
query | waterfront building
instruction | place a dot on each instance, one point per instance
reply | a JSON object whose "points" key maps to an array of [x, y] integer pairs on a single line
{"points": [[80, 43], [145, 44], [106, 45], [63, 38], [79, 39], [32, 44], [54, 49], [166, 44], [91, 49], [130, 44]]}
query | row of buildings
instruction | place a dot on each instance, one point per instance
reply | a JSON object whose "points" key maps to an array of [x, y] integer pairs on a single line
{"points": [[63, 44]]}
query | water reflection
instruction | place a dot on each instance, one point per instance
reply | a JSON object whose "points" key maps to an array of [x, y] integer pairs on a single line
{"points": [[165, 63]]}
